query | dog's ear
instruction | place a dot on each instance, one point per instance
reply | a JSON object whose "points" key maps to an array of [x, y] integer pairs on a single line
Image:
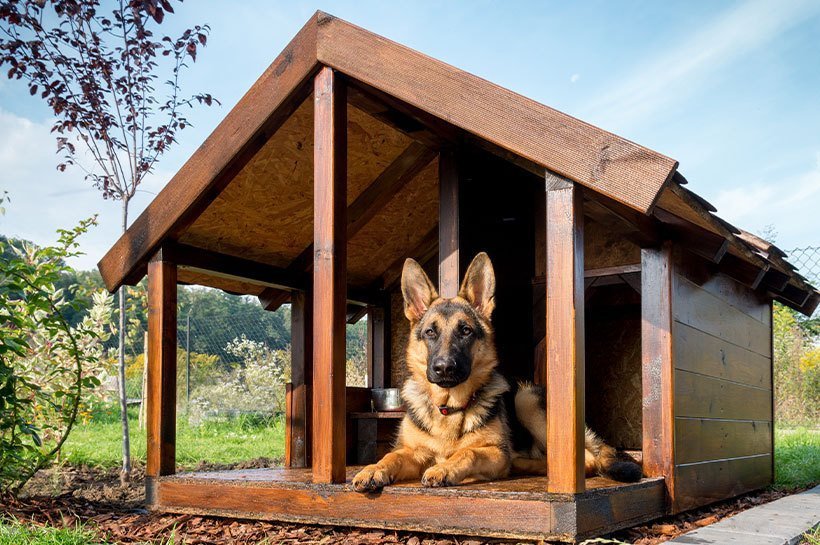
{"points": [[417, 290], [478, 287]]}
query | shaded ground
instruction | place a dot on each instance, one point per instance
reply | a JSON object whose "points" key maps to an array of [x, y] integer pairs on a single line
{"points": [[94, 497]]}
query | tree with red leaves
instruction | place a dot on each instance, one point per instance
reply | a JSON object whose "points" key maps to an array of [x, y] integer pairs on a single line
{"points": [[98, 68]]}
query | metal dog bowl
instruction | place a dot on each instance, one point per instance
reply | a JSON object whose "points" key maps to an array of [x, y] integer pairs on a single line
{"points": [[386, 399]]}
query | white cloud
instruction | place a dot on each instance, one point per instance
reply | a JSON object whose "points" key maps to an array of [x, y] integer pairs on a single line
{"points": [[672, 75], [574, 78], [790, 205], [43, 199]]}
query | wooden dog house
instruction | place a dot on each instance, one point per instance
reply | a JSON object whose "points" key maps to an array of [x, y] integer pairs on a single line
{"points": [[645, 314]]}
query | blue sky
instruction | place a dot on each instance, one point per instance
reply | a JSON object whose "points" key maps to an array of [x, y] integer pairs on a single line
{"points": [[729, 89]]}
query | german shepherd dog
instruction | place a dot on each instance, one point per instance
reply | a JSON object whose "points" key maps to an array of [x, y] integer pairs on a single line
{"points": [[456, 425]]}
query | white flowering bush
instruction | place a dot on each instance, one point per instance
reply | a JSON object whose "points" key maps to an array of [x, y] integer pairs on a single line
{"points": [[256, 384]]}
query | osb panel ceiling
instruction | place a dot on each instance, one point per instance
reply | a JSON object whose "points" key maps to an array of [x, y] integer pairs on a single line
{"points": [[266, 212], [396, 229]]}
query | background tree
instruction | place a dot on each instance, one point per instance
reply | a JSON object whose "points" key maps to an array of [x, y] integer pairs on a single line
{"points": [[97, 66]]}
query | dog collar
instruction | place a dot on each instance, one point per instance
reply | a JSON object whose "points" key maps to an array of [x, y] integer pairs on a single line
{"points": [[446, 410]]}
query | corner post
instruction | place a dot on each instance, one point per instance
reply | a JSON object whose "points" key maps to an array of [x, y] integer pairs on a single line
{"points": [[658, 375], [162, 371], [377, 346], [449, 274], [565, 336], [298, 429], [329, 275]]}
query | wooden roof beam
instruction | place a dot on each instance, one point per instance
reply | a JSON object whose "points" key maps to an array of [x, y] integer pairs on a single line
{"points": [[374, 198], [706, 244], [426, 249]]}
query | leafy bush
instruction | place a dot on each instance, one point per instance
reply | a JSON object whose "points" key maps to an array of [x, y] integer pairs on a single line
{"points": [[46, 365], [796, 369], [255, 385]]}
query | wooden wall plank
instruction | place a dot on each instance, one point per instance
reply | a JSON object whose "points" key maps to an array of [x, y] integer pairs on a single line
{"points": [[701, 484], [706, 397], [329, 276], [162, 368], [706, 354], [658, 378], [449, 275], [301, 353], [565, 335], [700, 439], [702, 310], [588, 155]]}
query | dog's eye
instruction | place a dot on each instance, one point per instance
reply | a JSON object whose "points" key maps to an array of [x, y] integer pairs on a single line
{"points": [[430, 333], [466, 331]]}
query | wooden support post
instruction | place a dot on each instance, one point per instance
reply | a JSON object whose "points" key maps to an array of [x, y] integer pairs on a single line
{"points": [[329, 276], [449, 274], [297, 452], [162, 376], [565, 336], [377, 348], [658, 365]]}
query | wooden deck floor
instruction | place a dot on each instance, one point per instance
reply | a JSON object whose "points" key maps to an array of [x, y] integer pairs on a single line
{"points": [[512, 508]]}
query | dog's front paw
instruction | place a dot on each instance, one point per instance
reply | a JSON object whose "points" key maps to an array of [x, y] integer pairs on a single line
{"points": [[438, 475], [371, 478]]}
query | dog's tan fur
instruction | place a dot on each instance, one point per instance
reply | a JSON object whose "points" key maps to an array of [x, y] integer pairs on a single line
{"points": [[474, 443], [445, 450]]}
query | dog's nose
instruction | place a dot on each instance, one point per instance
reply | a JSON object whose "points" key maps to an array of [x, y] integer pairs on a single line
{"points": [[444, 367]]}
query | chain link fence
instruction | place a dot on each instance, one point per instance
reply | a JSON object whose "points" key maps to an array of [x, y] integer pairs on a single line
{"points": [[807, 261]]}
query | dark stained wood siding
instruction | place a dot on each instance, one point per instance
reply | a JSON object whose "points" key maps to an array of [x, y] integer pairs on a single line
{"points": [[723, 387]]}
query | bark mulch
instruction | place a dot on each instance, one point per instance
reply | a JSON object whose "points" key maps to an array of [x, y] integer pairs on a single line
{"points": [[94, 497]]}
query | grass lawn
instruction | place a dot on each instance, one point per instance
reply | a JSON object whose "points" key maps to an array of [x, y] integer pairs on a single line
{"points": [[98, 442], [796, 457], [13, 532]]}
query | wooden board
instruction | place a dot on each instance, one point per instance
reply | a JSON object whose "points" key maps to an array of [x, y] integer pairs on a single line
{"points": [[657, 364], [702, 439], [702, 310], [704, 483], [329, 276], [513, 508], [565, 336], [161, 387], [706, 354], [611, 165], [700, 396]]}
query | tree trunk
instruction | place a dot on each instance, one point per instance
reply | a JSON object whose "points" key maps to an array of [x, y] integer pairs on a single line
{"points": [[125, 473]]}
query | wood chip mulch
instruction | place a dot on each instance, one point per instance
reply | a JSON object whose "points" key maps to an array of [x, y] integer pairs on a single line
{"points": [[95, 498]]}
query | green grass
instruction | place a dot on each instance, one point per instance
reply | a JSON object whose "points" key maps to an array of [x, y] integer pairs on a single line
{"points": [[98, 442], [13, 532], [812, 537], [797, 458]]}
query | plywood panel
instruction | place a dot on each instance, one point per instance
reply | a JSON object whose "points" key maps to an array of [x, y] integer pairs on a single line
{"points": [[701, 484], [700, 309], [266, 212], [700, 439], [603, 248], [708, 355], [706, 397], [396, 229]]}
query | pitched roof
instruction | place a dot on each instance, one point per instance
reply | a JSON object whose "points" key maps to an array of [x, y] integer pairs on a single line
{"points": [[528, 133]]}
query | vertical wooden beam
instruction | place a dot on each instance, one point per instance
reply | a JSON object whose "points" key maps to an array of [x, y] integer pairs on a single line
{"points": [[377, 347], [162, 376], [298, 423], [449, 274], [329, 276], [565, 336], [658, 366]]}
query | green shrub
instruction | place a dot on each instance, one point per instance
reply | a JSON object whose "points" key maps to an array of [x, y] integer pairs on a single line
{"points": [[46, 365]]}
